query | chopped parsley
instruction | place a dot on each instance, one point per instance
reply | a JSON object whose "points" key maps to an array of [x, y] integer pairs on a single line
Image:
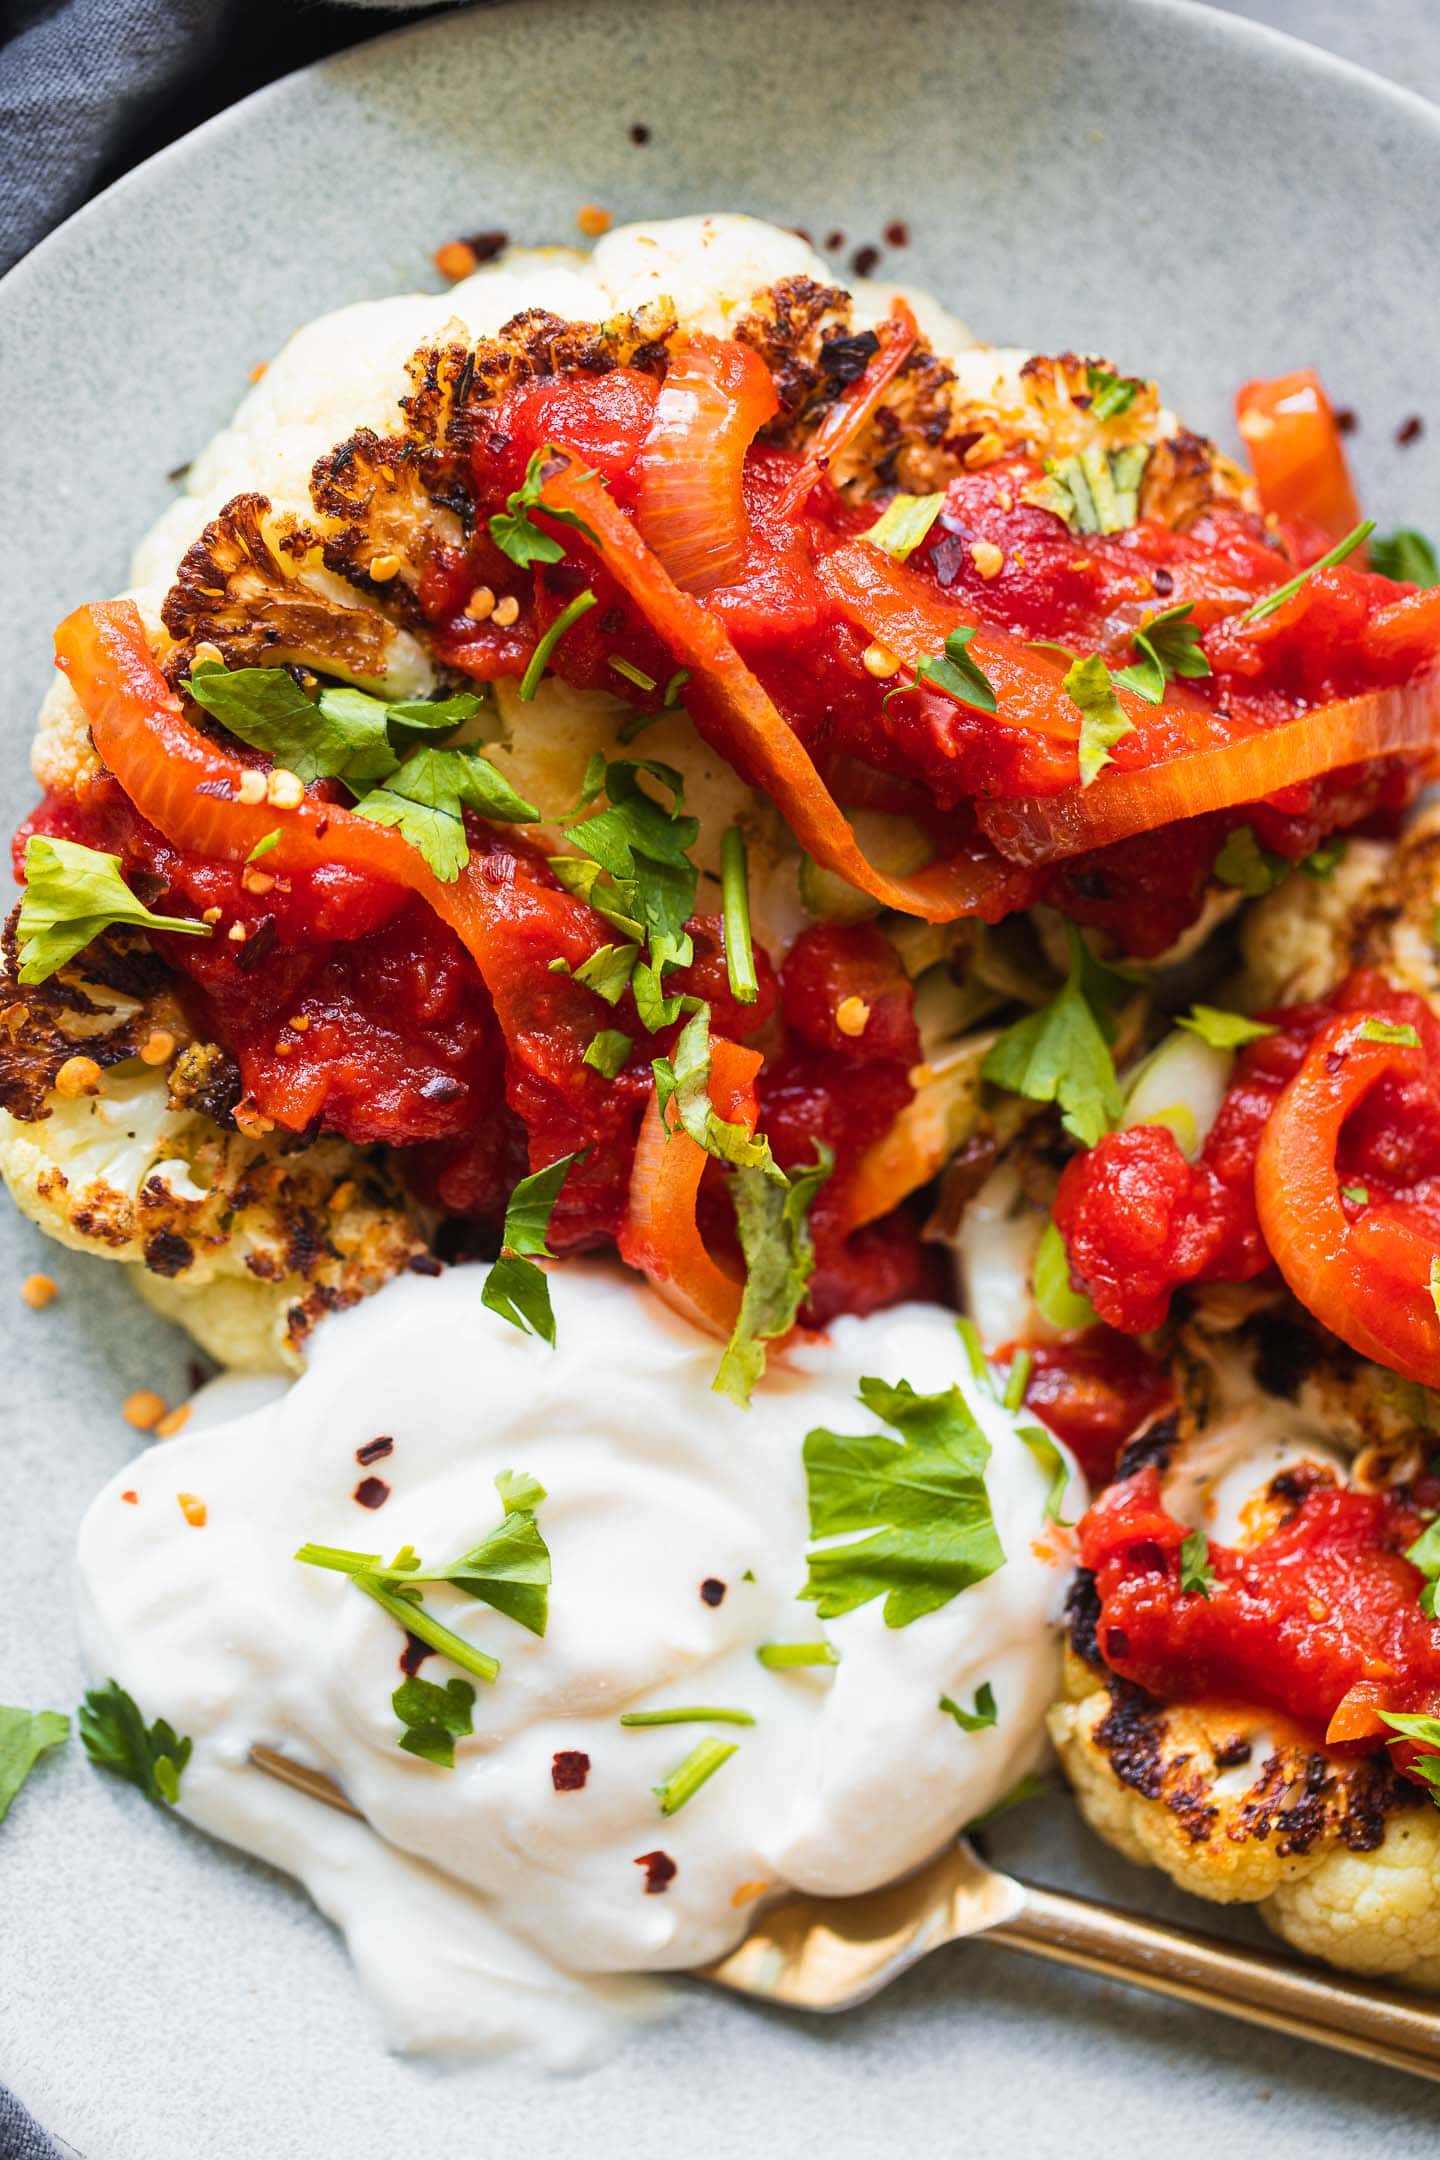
{"points": [[1061, 1053], [1017, 1380], [1169, 646], [1387, 1031], [1357, 1195], [922, 1497], [1096, 491], [25, 1735], [426, 799], [684, 1080], [1055, 1300], [1243, 862], [263, 846], [509, 1569], [1223, 1030], [384, 1586], [1046, 1452], [688, 1714], [1322, 862], [539, 660], [670, 695], [1425, 1732], [341, 734], [1196, 1573], [515, 1287], [1270, 602], [1090, 688], [903, 524], [953, 671], [774, 1225], [608, 971], [117, 1738], [608, 1051], [1110, 394], [786, 1656], [735, 901], [1425, 1555], [634, 869], [1407, 556], [687, 1778], [513, 529], [434, 1717], [983, 1714], [633, 674], [72, 894]]}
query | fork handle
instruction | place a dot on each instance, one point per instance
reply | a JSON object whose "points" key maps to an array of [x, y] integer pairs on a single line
{"points": [[1376, 2023]]}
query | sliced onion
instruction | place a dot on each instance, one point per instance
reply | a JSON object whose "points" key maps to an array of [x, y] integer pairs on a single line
{"points": [[716, 396]]}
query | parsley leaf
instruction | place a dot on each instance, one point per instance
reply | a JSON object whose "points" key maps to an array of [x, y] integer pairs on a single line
{"points": [[903, 524], [396, 1592], [426, 798], [1060, 1054], [514, 531], [1270, 601], [1088, 685], [608, 971], [1425, 1555], [539, 660], [684, 1079], [954, 672], [24, 1737], [1407, 556], [608, 1051], [1196, 1573], [1097, 491], [1358, 1195], [983, 1714], [639, 876], [1386, 1031], [923, 1496], [1169, 646], [510, 1567], [1043, 1447], [774, 1226], [343, 734], [117, 1738], [1425, 1732], [1223, 1030], [1055, 1300], [515, 1288], [434, 1717], [1243, 862], [72, 894]]}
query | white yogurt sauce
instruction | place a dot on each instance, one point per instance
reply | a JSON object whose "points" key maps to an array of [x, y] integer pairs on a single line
{"points": [[484, 1908]]}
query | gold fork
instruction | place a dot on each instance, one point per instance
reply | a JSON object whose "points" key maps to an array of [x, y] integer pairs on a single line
{"points": [[832, 1953]]}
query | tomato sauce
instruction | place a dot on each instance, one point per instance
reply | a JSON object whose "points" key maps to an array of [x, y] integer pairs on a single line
{"points": [[1094, 1392], [1139, 1221], [1325, 1608]]}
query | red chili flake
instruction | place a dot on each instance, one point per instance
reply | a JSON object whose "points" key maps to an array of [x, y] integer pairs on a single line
{"points": [[712, 1590], [1346, 419], [424, 1263], [639, 134], [375, 1450], [1410, 430], [1163, 582], [485, 246], [414, 1654], [897, 233], [801, 234], [132, 1497], [372, 1492], [1334, 1059], [865, 261], [221, 789], [569, 1770], [834, 241], [660, 1871], [1117, 1643]]}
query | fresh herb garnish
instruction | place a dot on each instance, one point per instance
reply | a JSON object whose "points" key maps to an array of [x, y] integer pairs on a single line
{"points": [[117, 1738], [386, 1587], [427, 796], [1103, 722], [1425, 1732], [983, 1715], [922, 1496], [634, 868], [670, 695], [1017, 1380], [690, 1714], [687, 1778], [903, 524], [1110, 394], [342, 734], [72, 894], [1097, 491], [434, 1717], [683, 1079], [510, 1567], [1243, 862], [1043, 1447], [515, 1287], [1407, 556], [1358, 1195], [1196, 1573], [1425, 1555], [975, 1356], [1060, 1054], [784, 1656], [514, 531], [1337, 554], [1322, 862], [608, 971], [1055, 1300], [779, 1252], [953, 671], [633, 674], [1169, 646], [1223, 1030], [735, 891], [264, 845], [1388, 1031], [608, 1051], [539, 660], [25, 1735]]}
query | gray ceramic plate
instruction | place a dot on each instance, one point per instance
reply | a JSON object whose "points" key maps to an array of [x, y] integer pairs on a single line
{"points": [[1198, 198]]}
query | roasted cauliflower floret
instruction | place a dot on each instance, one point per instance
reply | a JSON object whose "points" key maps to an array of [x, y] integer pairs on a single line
{"points": [[257, 590], [1372, 1912], [384, 528], [1376, 909], [246, 1240]]}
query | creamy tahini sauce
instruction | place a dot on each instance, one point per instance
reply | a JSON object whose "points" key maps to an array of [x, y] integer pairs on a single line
{"points": [[484, 1908]]}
